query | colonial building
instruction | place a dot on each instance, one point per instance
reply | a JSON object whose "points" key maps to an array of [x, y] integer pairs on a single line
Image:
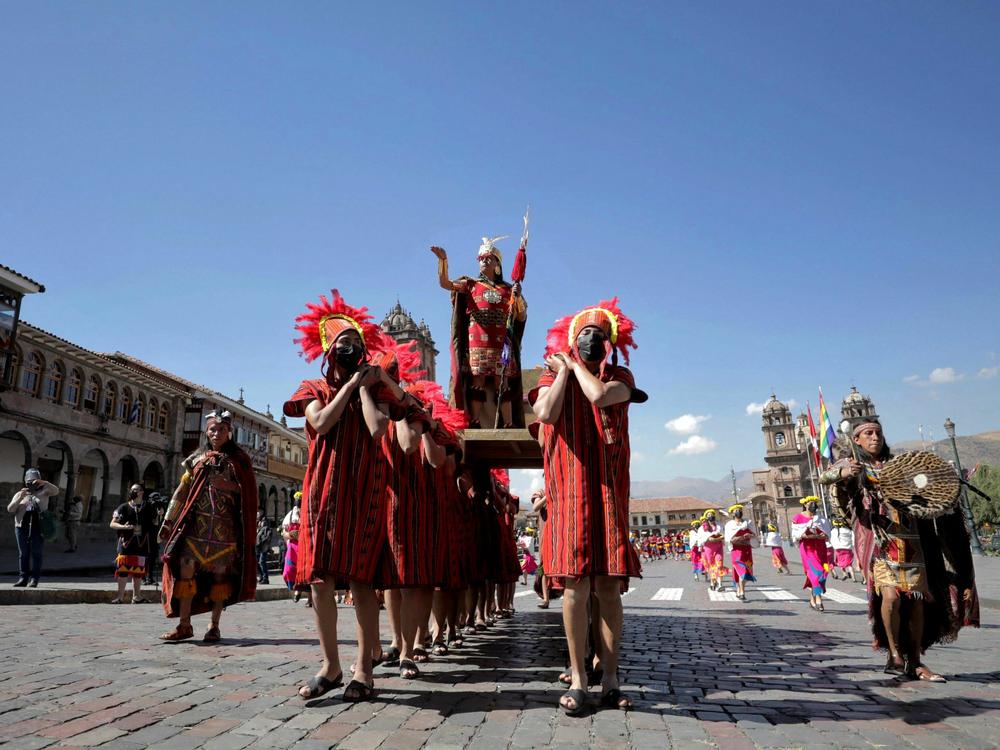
{"points": [[663, 514], [91, 425], [399, 324], [279, 454]]}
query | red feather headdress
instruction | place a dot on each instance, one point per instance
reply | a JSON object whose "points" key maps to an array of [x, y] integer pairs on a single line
{"points": [[401, 361], [323, 322], [431, 394], [607, 316], [502, 476]]}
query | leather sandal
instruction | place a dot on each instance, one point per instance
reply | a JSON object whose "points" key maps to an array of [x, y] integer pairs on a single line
{"points": [[923, 673], [357, 692], [579, 697], [320, 685], [181, 633], [212, 635]]}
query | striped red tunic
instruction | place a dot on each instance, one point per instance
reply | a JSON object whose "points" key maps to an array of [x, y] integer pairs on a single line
{"points": [[343, 529], [586, 460]]}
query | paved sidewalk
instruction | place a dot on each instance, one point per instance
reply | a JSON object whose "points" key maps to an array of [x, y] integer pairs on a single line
{"points": [[766, 673]]}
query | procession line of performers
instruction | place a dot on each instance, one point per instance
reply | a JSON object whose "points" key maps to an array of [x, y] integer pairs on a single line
{"points": [[388, 503]]}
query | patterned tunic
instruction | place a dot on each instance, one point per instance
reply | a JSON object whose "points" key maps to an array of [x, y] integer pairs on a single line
{"points": [[210, 536], [488, 305], [586, 460], [343, 527]]}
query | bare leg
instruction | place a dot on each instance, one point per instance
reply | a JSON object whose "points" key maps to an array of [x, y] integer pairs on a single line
{"points": [[476, 407], [122, 583], [440, 607], [324, 597], [416, 611], [545, 589], [575, 623], [366, 610], [915, 621], [891, 619], [394, 608], [136, 587]]}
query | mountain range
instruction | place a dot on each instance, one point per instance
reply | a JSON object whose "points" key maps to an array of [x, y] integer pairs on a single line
{"points": [[972, 449]]}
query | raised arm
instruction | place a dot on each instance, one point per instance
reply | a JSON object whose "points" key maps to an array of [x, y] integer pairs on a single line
{"points": [[436, 454], [376, 418], [323, 418], [443, 280], [599, 393]]}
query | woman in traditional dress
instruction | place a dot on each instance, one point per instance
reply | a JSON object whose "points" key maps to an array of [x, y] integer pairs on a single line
{"points": [[711, 538], [811, 531], [209, 533], [135, 523], [738, 536], [842, 541], [697, 564], [772, 539], [921, 579]]}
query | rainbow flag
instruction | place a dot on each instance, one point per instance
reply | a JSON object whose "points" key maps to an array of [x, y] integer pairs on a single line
{"points": [[827, 435]]}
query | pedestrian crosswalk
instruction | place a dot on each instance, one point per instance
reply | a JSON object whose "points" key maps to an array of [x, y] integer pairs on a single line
{"points": [[722, 596], [843, 597], [754, 593], [668, 595], [774, 594]]}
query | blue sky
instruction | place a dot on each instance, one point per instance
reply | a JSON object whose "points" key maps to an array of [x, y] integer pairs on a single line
{"points": [[783, 195]]}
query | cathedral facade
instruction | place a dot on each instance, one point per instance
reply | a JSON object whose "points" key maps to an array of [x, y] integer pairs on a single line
{"points": [[399, 324]]}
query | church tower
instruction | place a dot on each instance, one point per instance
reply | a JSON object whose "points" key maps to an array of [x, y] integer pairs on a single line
{"points": [[857, 408], [786, 460], [399, 324]]}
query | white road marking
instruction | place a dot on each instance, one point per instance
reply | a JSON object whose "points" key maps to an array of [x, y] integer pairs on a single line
{"points": [[842, 597], [523, 593], [631, 589], [668, 595], [775, 594], [722, 596]]}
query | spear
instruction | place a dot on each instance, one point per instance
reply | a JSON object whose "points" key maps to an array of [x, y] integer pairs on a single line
{"points": [[517, 276]]}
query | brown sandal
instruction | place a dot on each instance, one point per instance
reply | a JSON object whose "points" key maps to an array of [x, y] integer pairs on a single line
{"points": [[212, 635], [181, 633]]}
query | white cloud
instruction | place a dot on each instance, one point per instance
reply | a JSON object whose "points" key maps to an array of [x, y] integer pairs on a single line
{"points": [[989, 372], [686, 424], [694, 445], [791, 403], [911, 379], [638, 457], [754, 408], [525, 481], [944, 375]]}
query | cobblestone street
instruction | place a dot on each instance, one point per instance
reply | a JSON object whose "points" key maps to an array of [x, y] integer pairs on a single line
{"points": [[703, 673]]}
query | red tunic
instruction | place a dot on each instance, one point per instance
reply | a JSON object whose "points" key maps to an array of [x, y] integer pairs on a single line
{"points": [[343, 529], [454, 543], [487, 309], [411, 519], [586, 459]]}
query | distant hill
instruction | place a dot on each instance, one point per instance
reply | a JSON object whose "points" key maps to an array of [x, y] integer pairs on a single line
{"points": [[983, 448], [705, 489], [972, 449]]}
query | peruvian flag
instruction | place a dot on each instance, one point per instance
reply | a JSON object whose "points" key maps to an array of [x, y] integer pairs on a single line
{"points": [[813, 441]]}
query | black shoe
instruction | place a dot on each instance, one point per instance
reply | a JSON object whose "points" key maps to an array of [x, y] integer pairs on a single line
{"points": [[21, 582], [33, 583]]}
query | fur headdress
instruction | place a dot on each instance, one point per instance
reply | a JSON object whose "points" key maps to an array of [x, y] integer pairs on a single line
{"points": [[607, 316], [326, 320]]}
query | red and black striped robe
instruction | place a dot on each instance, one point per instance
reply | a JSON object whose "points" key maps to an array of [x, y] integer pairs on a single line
{"points": [[343, 529], [586, 460]]}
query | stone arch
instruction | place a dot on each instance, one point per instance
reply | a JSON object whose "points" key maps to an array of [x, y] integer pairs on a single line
{"points": [[127, 470], [271, 508], [15, 458], [55, 462], [93, 480], [152, 477]]}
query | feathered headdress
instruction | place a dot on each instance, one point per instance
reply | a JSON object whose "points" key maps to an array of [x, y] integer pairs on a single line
{"points": [[326, 320], [489, 247], [401, 362], [502, 476], [607, 316], [431, 394]]}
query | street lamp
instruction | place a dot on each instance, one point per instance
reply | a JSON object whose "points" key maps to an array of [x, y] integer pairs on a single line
{"points": [[977, 548]]}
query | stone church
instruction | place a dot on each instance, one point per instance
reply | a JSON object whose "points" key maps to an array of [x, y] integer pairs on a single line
{"points": [[790, 473]]}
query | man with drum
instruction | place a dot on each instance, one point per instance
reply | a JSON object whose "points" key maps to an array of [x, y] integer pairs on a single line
{"points": [[915, 599]]}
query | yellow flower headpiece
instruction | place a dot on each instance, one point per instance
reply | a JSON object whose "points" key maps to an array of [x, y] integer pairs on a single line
{"points": [[297, 496], [735, 507], [772, 527], [704, 516], [809, 499], [694, 524]]}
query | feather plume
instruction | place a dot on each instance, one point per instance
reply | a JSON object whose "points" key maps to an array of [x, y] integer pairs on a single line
{"points": [[310, 325]]}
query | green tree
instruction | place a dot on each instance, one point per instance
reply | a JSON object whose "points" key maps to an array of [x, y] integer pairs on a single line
{"points": [[986, 479]]}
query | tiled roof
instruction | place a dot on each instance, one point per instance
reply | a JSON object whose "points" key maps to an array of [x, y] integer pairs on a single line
{"points": [[8, 269], [669, 504]]}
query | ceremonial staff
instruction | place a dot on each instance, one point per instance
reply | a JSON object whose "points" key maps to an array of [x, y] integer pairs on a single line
{"points": [[516, 276]]}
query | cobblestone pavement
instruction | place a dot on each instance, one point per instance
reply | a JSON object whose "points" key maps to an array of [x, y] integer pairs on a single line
{"points": [[703, 674]]}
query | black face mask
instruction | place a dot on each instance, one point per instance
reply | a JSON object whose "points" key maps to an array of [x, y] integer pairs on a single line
{"points": [[738, 515], [811, 507], [710, 519], [591, 346], [349, 357]]}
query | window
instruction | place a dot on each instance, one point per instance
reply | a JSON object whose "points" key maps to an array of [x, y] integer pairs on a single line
{"points": [[644, 521], [161, 422], [124, 404], [52, 387], [73, 385], [92, 394], [110, 397], [657, 519], [787, 491], [15, 362], [138, 410], [31, 374], [785, 470], [152, 413]]}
